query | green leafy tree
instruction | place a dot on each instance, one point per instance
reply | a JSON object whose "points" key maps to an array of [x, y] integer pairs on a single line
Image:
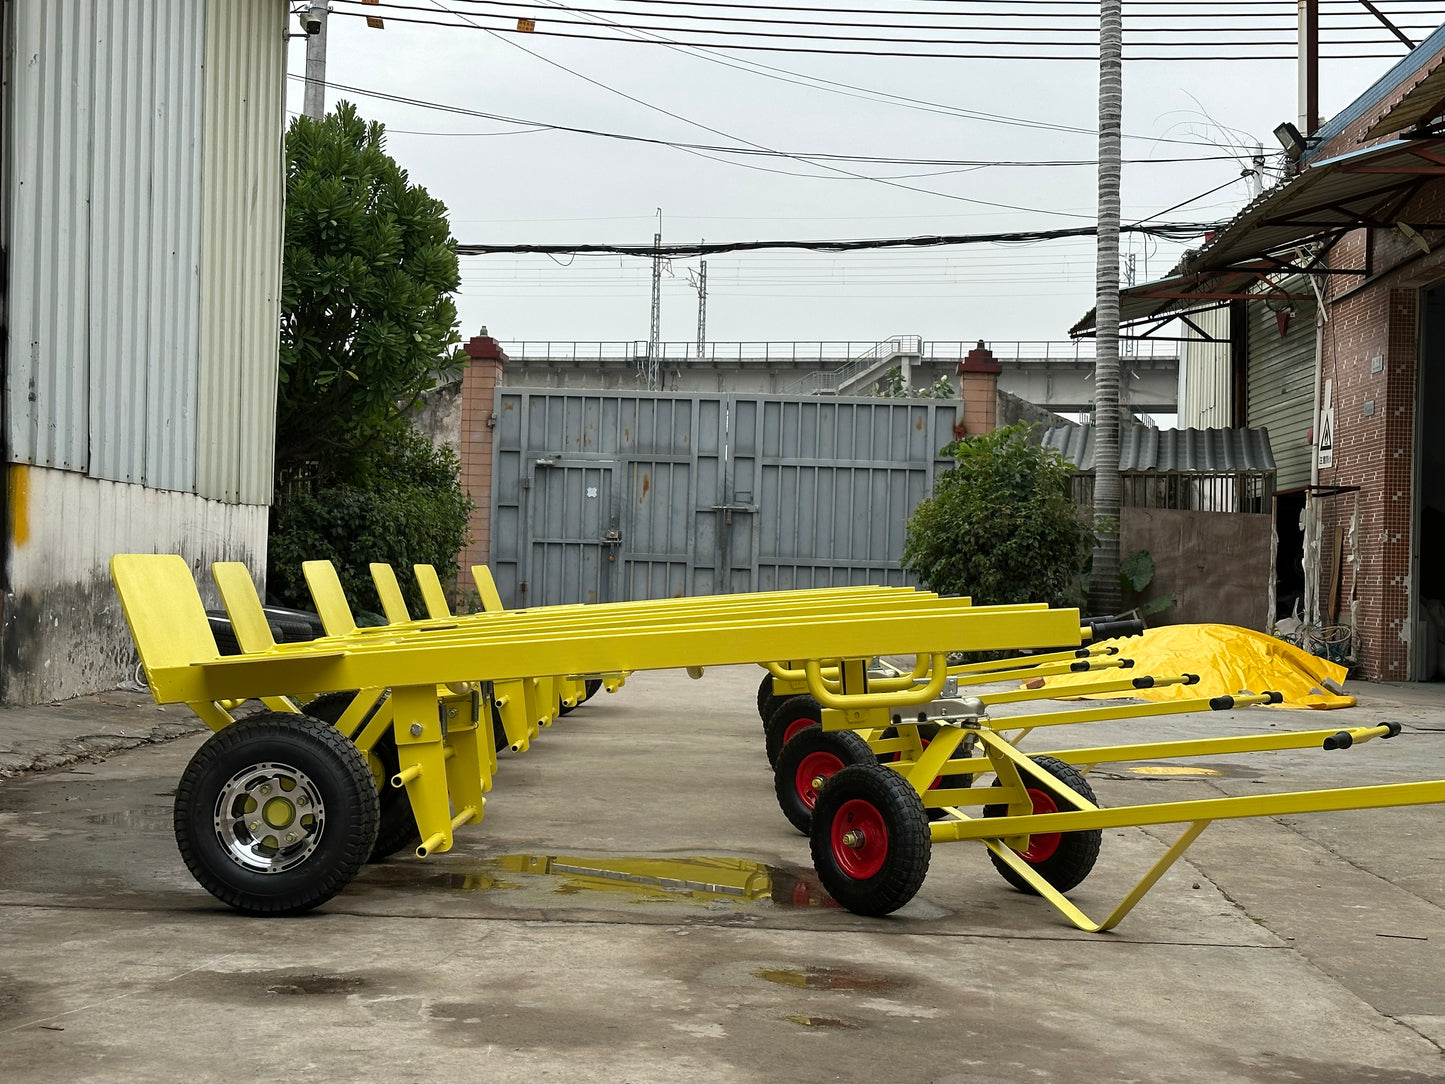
{"points": [[999, 525], [368, 325], [368, 322]]}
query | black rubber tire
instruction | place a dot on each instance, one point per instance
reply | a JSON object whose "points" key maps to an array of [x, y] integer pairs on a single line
{"points": [[344, 787], [771, 702], [397, 828], [870, 796], [791, 715], [1073, 859], [837, 749]]}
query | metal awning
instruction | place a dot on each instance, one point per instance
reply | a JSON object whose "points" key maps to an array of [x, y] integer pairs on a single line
{"points": [[1275, 236], [1423, 102]]}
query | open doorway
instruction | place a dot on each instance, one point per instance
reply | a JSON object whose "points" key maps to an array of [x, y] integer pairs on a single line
{"points": [[1429, 639], [1289, 573]]}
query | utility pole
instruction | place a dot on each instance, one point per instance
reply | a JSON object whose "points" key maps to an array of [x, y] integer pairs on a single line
{"points": [[1309, 66], [699, 283], [314, 22], [1105, 595], [654, 343]]}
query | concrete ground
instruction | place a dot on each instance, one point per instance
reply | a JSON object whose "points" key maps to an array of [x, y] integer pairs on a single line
{"points": [[1304, 948]]}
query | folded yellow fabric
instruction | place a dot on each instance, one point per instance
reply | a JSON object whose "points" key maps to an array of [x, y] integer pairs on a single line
{"points": [[1228, 660]]}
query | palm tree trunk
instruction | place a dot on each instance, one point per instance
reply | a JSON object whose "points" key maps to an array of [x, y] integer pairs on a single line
{"points": [[1104, 592]]}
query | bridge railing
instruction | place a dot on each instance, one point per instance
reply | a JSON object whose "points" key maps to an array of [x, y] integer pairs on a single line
{"points": [[1003, 350]]}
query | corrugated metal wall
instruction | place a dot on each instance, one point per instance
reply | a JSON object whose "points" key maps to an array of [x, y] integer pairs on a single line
{"points": [[47, 385], [1204, 374], [1281, 385], [612, 496], [241, 226], [126, 207]]}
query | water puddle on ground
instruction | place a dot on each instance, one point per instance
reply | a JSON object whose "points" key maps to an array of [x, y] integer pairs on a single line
{"points": [[822, 1022], [633, 879], [831, 978], [149, 817]]}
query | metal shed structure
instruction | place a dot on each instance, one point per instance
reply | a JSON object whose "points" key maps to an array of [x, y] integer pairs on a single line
{"points": [[1210, 470]]}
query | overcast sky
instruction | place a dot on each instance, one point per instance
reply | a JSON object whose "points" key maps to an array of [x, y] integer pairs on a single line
{"points": [[505, 183]]}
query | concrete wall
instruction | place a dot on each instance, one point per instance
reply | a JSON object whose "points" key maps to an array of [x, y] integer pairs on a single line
{"points": [[63, 632], [1217, 565]]}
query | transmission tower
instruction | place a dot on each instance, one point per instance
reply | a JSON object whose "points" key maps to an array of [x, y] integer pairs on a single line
{"points": [[654, 343], [698, 281]]}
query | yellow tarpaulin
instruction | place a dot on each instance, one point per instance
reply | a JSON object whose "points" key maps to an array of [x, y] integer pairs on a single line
{"points": [[1228, 660]]}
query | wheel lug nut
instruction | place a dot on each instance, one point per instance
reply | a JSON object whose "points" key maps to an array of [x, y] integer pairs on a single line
{"points": [[290, 837], [265, 790], [853, 839], [818, 782], [255, 826]]}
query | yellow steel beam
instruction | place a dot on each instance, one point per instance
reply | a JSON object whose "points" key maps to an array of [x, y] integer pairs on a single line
{"points": [[1202, 809]]}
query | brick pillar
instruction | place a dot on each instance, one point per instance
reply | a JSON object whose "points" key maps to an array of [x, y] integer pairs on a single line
{"points": [[479, 386], [978, 388]]}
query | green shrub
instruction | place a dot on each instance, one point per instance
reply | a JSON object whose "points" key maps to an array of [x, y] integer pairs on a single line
{"points": [[403, 505], [1000, 526]]}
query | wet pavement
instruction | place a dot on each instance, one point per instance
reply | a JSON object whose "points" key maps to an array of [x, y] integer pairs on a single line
{"points": [[634, 907]]}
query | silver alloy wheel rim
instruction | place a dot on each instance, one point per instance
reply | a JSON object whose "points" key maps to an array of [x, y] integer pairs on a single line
{"points": [[269, 817]]}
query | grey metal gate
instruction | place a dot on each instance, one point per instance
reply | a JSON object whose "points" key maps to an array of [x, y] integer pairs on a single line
{"points": [[610, 496]]}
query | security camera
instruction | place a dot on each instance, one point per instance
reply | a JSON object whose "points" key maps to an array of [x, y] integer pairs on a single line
{"points": [[311, 19]]}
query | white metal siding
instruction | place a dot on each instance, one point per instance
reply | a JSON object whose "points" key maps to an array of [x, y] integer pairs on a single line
{"points": [[241, 224], [145, 255], [1281, 385], [1204, 376], [144, 242], [49, 297]]}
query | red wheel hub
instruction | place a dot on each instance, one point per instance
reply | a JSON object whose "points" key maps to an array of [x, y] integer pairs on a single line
{"points": [[815, 766], [796, 727], [859, 839], [1042, 845]]}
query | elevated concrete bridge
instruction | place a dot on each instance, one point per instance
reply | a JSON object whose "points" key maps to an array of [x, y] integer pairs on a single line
{"points": [[1053, 374]]}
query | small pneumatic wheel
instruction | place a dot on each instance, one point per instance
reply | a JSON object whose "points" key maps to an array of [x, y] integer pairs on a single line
{"points": [[275, 814], [870, 840], [1063, 859], [397, 828], [807, 763], [789, 718]]}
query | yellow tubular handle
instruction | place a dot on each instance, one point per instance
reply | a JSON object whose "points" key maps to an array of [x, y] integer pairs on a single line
{"points": [[903, 698]]}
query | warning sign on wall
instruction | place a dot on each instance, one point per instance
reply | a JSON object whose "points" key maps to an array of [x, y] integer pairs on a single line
{"points": [[1325, 439]]}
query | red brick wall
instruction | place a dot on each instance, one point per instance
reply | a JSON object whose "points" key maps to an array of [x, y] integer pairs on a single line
{"points": [[479, 385], [1375, 427]]}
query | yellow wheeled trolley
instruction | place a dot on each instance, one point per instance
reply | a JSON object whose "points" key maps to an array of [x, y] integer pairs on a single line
{"points": [[278, 811]]}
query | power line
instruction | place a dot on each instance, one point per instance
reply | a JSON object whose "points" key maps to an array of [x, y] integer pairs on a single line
{"points": [[1172, 230], [910, 54]]}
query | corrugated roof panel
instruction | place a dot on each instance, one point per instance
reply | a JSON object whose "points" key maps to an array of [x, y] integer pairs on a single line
{"points": [[1188, 451], [241, 224], [1421, 102], [47, 386]]}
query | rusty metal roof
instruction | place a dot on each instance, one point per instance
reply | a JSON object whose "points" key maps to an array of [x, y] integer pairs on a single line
{"points": [[1170, 451]]}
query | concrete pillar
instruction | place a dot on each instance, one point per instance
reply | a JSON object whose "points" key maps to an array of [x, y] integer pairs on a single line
{"points": [[479, 385], [978, 375]]}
